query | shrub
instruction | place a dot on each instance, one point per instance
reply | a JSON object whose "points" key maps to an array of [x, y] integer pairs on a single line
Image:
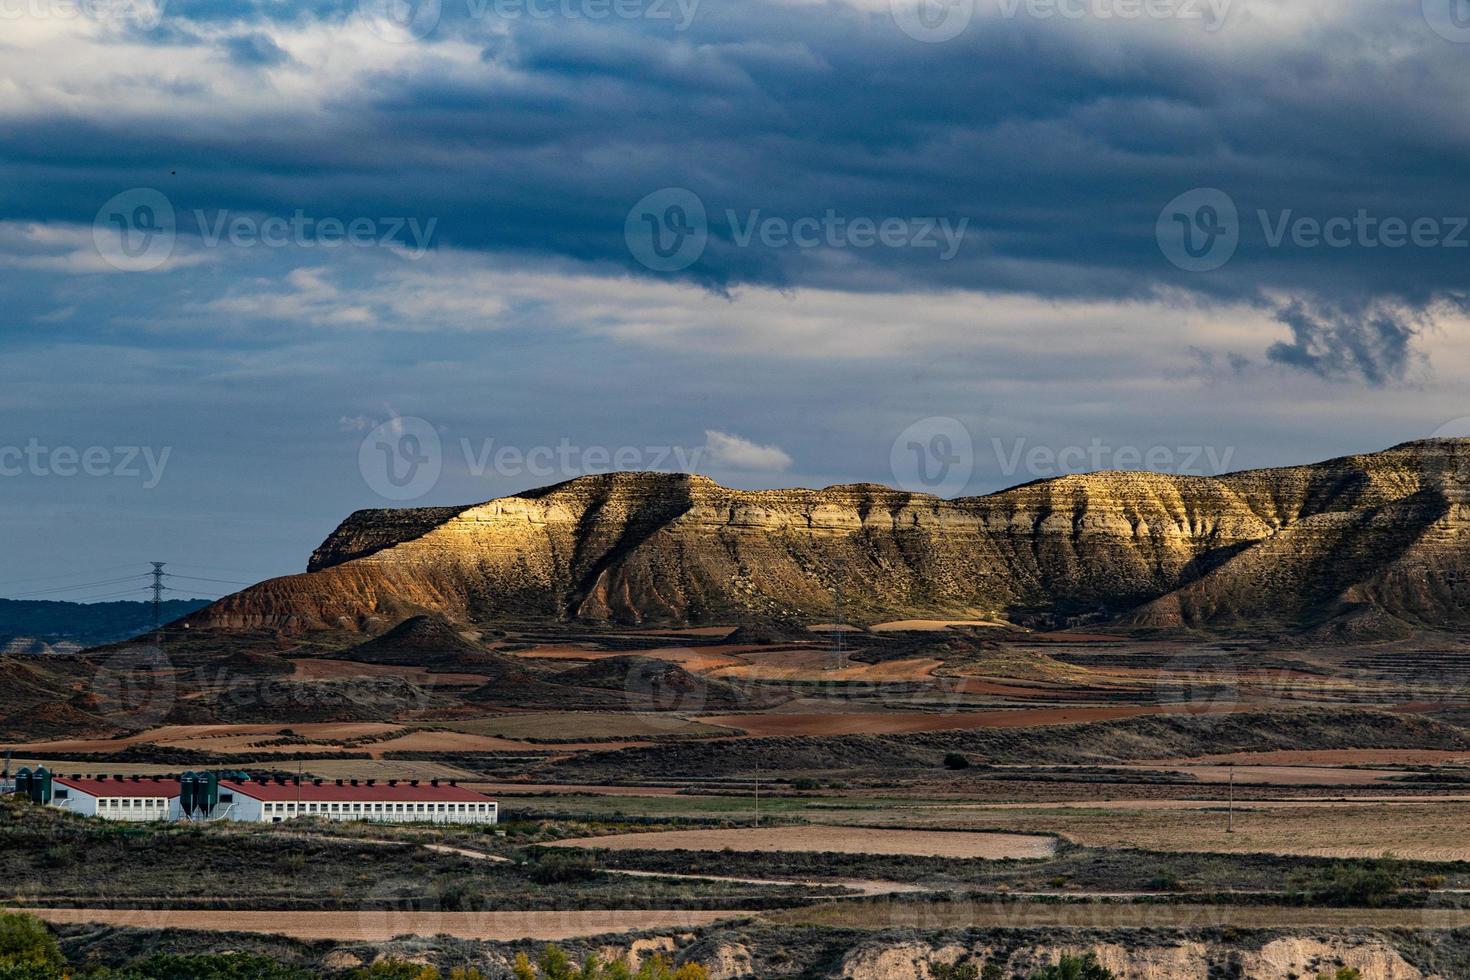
{"points": [[954, 760], [560, 869], [1368, 884], [393, 970], [1076, 968], [26, 943], [210, 966]]}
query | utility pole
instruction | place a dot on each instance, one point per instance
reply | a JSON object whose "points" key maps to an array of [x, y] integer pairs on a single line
{"points": [[157, 588], [1230, 820], [839, 629], [757, 794]]}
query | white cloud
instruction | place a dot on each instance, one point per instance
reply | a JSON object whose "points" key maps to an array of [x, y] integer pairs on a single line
{"points": [[735, 452]]}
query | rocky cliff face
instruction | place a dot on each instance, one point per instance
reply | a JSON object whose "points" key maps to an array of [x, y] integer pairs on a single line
{"points": [[1289, 547]]}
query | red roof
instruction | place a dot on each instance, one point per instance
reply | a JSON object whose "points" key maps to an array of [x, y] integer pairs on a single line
{"points": [[329, 791], [146, 786]]}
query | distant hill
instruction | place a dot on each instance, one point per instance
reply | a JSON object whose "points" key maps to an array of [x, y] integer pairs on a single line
{"points": [[28, 625], [1367, 545]]}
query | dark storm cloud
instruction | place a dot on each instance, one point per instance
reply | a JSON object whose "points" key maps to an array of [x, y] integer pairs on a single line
{"points": [[1331, 341], [1057, 142]]}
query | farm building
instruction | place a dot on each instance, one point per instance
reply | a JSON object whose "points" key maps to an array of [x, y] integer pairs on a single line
{"points": [[393, 800], [117, 798], [259, 799]]}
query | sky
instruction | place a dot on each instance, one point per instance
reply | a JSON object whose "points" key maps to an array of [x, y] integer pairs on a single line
{"points": [[264, 263]]}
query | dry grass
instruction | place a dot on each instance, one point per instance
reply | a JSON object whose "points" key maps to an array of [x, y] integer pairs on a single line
{"points": [[898, 913], [577, 724], [376, 925], [832, 840], [1427, 832]]}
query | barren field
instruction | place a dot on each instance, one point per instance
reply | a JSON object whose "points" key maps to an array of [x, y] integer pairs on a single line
{"points": [[931, 625], [895, 722], [817, 665], [452, 741], [1335, 757], [1283, 775], [1421, 831], [216, 738], [835, 840], [377, 925], [578, 724], [319, 669], [899, 913]]}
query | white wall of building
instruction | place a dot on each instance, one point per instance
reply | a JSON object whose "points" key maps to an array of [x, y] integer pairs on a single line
{"points": [[136, 808], [274, 811]]}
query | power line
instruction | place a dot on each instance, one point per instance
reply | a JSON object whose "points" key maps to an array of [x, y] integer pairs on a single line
{"points": [[197, 578], [53, 578], [79, 585]]}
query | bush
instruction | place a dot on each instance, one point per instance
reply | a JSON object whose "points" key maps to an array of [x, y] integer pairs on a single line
{"points": [[210, 966], [395, 970], [954, 760], [1076, 968], [26, 943], [560, 869], [1368, 884]]}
